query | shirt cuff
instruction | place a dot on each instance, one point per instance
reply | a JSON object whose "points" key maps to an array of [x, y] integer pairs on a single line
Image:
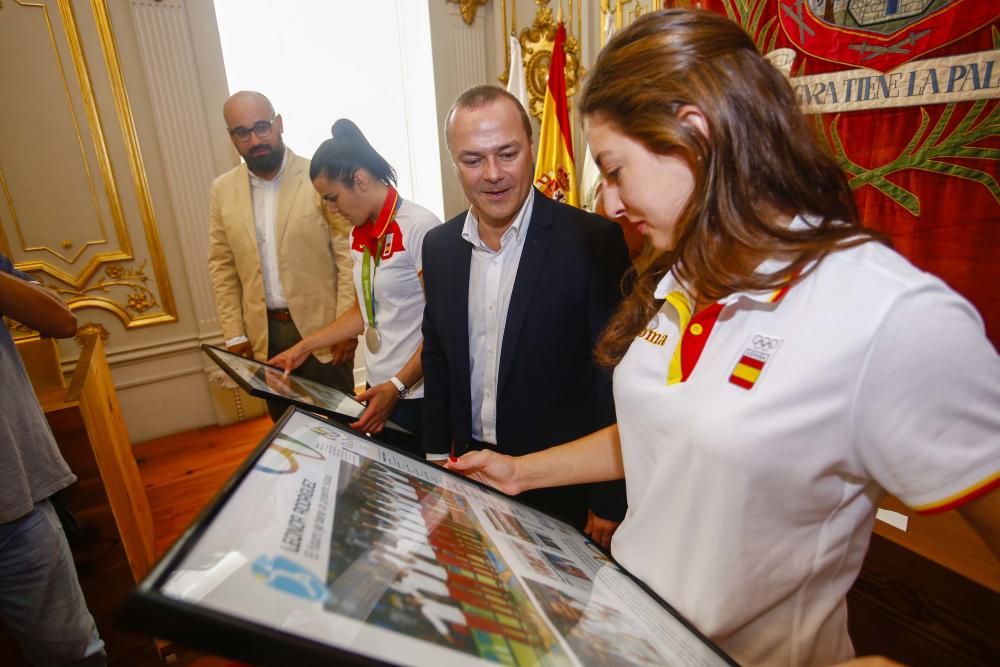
{"points": [[436, 457], [236, 341]]}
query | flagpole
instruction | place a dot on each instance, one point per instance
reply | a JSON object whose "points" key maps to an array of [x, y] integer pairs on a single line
{"points": [[579, 24], [503, 34]]}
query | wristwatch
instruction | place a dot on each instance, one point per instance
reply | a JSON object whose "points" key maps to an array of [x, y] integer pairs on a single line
{"points": [[400, 387]]}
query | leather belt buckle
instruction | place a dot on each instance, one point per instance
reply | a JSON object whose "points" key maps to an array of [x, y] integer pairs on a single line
{"points": [[282, 315]]}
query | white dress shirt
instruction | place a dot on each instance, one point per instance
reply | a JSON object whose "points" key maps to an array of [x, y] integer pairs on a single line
{"points": [[491, 282], [264, 195]]}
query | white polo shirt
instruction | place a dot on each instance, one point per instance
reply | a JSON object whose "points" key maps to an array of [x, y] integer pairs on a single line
{"points": [[399, 296], [754, 467]]}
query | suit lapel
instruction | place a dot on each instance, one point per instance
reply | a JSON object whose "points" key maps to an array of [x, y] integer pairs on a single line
{"points": [[244, 203], [529, 270], [458, 293], [291, 181]]}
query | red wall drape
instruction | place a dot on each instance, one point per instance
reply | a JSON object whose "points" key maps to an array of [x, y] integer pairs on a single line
{"points": [[951, 226]]}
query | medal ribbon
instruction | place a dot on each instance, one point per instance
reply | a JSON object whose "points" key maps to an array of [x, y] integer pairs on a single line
{"points": [[376, 237]]}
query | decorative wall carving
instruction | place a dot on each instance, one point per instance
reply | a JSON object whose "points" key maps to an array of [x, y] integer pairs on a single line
{"points": [[84, 330], [469, 8], [76, 208], [536, 45]]}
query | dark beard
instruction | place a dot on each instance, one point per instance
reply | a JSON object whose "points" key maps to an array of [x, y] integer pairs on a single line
{"points": [[265, 163]]}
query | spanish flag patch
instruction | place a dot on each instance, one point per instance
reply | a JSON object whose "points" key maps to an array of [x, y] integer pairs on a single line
{"points": [[757, 352], [746, 372]]}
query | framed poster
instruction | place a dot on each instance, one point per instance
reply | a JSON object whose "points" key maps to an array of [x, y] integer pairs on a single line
{"points": [[327, 547], [259, 379]]}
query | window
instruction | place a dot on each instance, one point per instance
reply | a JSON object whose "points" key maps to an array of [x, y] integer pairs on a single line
{"points": [[319, 61]]}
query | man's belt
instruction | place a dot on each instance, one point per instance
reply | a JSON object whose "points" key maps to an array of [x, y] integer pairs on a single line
{"points": [[282, 315]]}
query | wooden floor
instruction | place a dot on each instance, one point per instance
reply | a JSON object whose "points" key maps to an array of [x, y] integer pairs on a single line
{"points": [[903, 606], [182, 473]]}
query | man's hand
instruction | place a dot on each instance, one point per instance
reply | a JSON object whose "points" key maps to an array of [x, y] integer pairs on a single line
{"points": [[344, 351], [244, 349], [381, 400], [600, 530]]}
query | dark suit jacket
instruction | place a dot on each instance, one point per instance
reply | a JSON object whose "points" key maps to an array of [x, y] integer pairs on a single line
{"points": [[549, 390]]}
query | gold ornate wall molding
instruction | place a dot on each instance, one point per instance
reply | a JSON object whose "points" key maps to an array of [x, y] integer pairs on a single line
{"points": [[58, 175], [469, 8], [624, 12], [537, 41], [91, 328]]}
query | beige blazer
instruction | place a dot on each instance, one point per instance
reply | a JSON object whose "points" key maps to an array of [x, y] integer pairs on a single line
{"points": [[314, 257]]}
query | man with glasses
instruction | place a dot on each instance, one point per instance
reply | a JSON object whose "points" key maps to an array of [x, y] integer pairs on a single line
{"points": [[280, 264]]}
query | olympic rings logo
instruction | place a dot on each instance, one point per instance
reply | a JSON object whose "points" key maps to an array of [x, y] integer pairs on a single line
{"points": [[764, 343], [290, 452]]}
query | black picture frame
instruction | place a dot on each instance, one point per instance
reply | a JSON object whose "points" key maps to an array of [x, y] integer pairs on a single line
{"points": [[263, 381], [210, 592]]}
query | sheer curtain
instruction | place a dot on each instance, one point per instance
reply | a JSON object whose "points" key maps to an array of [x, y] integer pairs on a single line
{"points": [[318, 61]]}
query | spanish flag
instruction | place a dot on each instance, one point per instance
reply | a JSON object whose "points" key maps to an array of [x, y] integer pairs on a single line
{"points": [[555, 174]]}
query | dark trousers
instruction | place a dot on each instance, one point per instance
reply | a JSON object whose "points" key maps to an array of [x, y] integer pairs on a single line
{"points": [[283, 335], [409, 413]]}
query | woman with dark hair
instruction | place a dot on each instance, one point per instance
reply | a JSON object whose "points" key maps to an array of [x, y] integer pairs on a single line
{"points": [[777, 367], [354, 180]]}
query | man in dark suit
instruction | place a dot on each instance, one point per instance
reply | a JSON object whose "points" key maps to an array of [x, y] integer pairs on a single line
{"points": [[518, 290]]}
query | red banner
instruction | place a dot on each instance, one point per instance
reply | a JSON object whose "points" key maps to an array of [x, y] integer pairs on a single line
{"points": [[905, 94]]}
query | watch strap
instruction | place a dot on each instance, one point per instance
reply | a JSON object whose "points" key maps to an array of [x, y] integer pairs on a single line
{"points": [[400, 387]]}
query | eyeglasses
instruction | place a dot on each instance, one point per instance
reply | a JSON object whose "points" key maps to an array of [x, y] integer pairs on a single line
{"points": [[262, 128]]}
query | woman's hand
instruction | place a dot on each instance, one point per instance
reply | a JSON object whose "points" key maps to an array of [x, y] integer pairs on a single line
{"points": [[490, 468], [381, 400], [291, 358]]}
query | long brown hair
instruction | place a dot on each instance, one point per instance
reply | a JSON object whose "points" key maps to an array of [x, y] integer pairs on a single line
{"points": [[760, 164]]}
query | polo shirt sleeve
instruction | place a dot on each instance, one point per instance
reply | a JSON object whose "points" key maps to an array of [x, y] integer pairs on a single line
{"points": [[926, 415], [423, 222]]}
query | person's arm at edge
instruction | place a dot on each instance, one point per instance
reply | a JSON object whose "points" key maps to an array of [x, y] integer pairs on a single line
{"points": [[36, 307], [593, 458]]}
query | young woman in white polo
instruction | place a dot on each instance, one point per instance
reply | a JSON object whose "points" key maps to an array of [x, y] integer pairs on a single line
{"points": [[777, 368], [386, 244]]}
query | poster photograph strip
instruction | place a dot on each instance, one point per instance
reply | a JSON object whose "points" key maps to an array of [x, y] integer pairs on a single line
{"points": [[259, 379], [327, 537]]}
